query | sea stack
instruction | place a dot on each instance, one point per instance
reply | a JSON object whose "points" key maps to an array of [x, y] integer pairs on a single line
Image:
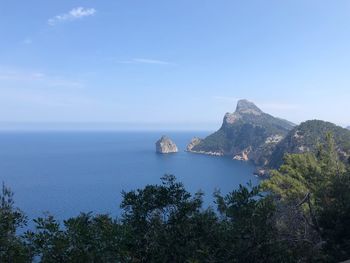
{"points": [[166, 145]]}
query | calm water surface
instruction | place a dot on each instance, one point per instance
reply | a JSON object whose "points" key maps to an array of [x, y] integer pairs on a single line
{"points": [[69, 172]]}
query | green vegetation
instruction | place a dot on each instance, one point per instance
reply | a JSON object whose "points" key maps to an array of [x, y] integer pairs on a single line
{"points": [[300, 214], [12, 247], [313, 191], [308, 136]]}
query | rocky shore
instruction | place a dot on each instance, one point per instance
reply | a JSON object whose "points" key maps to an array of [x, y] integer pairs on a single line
{"points": [[208, 153]]}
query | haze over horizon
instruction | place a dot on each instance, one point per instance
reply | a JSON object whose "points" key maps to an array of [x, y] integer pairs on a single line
{"points": [[172, 65]]}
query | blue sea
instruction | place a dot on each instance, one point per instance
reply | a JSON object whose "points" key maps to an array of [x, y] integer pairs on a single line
{"points": [[70, 172]]}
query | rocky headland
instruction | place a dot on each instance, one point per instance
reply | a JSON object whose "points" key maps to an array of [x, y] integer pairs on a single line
{"points": [[249, 134]]}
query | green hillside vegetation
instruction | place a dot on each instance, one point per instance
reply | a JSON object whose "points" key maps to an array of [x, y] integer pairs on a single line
{"points": [[300, 214], [307, 136]]}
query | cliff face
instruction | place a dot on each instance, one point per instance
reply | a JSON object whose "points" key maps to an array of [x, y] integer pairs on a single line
{"points": [[194, 142], [166, 145], [246, 134]]}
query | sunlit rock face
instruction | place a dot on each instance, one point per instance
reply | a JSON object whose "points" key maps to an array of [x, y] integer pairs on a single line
{"points": [[248, 134], [195, 141], [166, 145]]}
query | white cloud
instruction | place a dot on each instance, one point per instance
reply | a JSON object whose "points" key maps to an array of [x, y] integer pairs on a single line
{"points": [[146, 61], [74, 14]]}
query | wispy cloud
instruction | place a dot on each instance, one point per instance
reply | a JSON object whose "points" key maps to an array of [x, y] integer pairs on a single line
{"points": [[59, 82], [11, 75], [27, 41], [38, 78], [74, 14], [146, 61]]}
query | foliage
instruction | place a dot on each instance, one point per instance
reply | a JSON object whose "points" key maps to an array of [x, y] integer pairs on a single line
{"points": [[306, 173], [248, 227], [308, 136], [166, 224], [12, 247], [317, 187], [300, 214], [85, 238]]}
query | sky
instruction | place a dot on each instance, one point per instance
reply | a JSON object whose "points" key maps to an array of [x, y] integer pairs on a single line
{"points": [[161, 64]]}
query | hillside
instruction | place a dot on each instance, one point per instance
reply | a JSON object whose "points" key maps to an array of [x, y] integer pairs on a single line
{"points": [[246, 134], [250, 134], [307, 136]]}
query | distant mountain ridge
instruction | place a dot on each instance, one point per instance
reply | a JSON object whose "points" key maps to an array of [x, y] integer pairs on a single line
{"points": [[307, 136], [246, 134], [249, 134]]}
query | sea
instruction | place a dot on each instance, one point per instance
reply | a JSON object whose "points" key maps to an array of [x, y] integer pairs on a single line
{"points": [[65, 173]]}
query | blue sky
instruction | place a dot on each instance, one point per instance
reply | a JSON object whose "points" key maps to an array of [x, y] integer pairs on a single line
{"points": [[173, 64]]}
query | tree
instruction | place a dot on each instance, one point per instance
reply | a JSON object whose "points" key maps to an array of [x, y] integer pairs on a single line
{"points": [[85, 238], [334, 219], [248, 227], [313, 196], [166, 224], [300, 214], [12, 247]]}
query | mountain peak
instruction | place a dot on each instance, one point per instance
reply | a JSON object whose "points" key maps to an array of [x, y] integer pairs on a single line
{"points": [[247, 107]]}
